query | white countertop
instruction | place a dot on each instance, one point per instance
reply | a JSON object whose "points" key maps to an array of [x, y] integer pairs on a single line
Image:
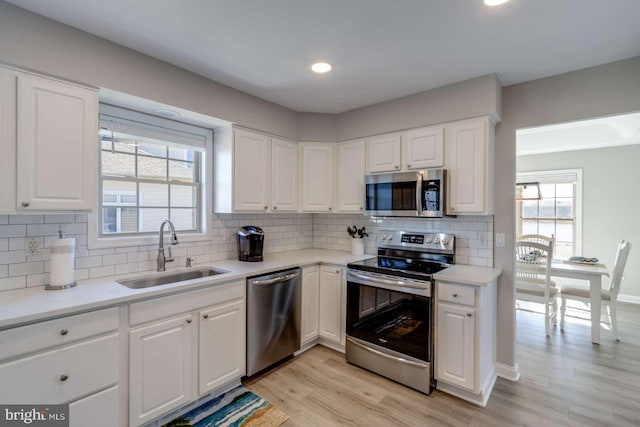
{"points": [[468, 275], [33, 304]]}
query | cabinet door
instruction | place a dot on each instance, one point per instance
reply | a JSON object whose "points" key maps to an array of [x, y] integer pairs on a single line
{"points": [[57, 133], [250, 171], [7, 141], [467, 160], [351, 176], [383, 153], [97, 410], [284, 176], [160, 368], [424, 148], [331, 303], [317, 177], [222, 345], [455, 347], [310, 303]]}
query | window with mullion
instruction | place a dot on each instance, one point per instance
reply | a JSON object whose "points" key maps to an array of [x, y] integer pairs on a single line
{"points": [[143, 183]]}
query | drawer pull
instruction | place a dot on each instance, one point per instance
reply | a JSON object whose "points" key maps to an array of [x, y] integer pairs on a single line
{"points": [[64, 332], [455, 295], [469, 314], [189, 320], [64, 377], [206, 316], [25, 204]]}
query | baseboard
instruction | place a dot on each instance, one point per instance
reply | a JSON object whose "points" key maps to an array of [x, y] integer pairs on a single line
{"points": [[511, 373], [629, 299]]}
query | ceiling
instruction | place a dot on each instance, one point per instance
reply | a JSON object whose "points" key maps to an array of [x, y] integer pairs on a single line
{"points": [[581, 135], [380, 49]]}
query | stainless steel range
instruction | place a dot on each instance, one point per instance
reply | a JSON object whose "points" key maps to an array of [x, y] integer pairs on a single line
{"points": [[390, 309]]}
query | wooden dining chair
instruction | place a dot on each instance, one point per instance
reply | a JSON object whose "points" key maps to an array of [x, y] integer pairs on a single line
{"points": [[609, 297], [533, 278]]}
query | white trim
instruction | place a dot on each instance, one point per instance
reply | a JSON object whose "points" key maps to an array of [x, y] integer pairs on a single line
{"points": [[508, 372], [206, 179], [629, 299], [578, 197], [481, 398]]}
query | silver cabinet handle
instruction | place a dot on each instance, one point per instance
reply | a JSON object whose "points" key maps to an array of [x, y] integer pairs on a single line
{"points": [[455, 295], [329, 207], [189, 320], [25, 204], [360, 207], [205, 316], [275, 207], [266, 207], [408, 166], [64, 332], [64, 377], [469, 314], [337, 271]]}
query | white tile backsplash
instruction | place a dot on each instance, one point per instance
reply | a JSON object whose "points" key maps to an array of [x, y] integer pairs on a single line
{"points": [[284, 232]]}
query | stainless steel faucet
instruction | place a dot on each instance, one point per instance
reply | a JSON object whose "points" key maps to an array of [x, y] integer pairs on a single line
{"points": [[162, 260]]}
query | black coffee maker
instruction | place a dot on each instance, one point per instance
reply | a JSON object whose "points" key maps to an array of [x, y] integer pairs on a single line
{"points": [[250, 242]]}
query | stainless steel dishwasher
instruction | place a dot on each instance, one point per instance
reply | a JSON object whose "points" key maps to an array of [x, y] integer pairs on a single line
{"points": [[273, 318]]}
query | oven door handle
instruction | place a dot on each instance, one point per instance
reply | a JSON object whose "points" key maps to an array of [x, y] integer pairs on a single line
{"points": [[388, 356], [385, 281]]}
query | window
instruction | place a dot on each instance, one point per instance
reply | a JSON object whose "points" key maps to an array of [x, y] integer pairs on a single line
{"points": [[151, 169], [558, 212]]}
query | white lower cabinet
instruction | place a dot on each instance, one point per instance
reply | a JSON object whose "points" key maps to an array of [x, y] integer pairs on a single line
{"points": [[465, 340], [184, 346], [310, 301], [73, 359], [221, 345], [160, 363], [332, 298]]}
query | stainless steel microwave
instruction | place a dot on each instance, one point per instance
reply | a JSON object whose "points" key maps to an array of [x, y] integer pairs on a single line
{"points": [[418, 194]]}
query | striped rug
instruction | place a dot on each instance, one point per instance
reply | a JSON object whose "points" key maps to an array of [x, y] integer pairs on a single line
{"points": [[235, 408]]}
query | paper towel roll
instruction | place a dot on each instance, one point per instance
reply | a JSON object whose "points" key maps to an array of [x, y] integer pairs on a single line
{"points": [[62, 264]]}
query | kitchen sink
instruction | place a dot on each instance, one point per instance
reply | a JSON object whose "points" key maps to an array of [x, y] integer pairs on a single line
{"points": [[148, 282]]}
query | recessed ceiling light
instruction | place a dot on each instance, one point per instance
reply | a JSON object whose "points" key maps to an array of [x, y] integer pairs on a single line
{"points": [[494, 2], [321, 67]]}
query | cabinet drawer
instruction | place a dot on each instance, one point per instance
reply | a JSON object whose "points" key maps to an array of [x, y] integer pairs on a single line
{"points": [[62, 375], [43, 335], [98, 410], [456, 293]]}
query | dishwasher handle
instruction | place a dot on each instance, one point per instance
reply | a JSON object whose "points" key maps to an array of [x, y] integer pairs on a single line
{"points": [[283, 278]]}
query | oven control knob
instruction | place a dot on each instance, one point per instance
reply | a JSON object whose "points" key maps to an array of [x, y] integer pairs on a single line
{"points": [[383, 237], [445, 241], [389, 237], [429, 239], [436, 240]]}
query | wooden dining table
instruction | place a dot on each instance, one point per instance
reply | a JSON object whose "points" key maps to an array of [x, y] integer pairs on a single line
{"points": [[593, 274]]}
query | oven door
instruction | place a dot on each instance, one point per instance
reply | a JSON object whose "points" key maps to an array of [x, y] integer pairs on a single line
{"points": [[398, 321], [396, 194]]}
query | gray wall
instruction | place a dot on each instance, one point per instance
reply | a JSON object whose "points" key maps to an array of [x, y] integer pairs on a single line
{"points": [[610, 204], [31, 41], [471, 98], [594, 92]]}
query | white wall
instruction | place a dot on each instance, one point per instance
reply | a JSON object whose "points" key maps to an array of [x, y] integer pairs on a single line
{"points": [[594, 92], [610, 203]]}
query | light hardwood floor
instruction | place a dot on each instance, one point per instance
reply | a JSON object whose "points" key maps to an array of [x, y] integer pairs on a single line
{"points": [[565, 380]]}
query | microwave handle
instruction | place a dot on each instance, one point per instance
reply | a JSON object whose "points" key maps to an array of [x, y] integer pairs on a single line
{"points": [[419, 193]]}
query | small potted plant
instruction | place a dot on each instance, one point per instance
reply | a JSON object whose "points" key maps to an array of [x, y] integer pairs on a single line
{"points": [[357, 244]]}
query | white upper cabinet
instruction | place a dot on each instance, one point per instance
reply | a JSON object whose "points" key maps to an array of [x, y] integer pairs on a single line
{"points": [[316, 170], [351, 176], [469, 164], [254, 172], [49, 144], [250, 171], [423, 148], [284, 176], [383, 153]]}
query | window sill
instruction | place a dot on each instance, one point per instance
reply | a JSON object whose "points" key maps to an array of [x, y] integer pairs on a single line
{"points": [[94, 242]]}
